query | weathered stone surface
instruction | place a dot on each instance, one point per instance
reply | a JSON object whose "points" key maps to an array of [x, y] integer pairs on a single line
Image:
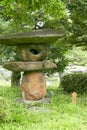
{"points": [[32, 52], [39, 109], [27, 66], [33, 102], [33, 86], [35, 37]]}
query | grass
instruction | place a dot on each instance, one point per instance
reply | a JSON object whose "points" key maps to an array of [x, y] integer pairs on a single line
{"points": [[62, 114]]}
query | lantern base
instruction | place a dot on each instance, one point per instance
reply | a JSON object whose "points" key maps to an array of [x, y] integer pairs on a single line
{"points": [[44, 100], [33, 86]]}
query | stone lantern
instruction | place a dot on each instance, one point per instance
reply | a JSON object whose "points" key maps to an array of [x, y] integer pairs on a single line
{"points": [[31, 50]]}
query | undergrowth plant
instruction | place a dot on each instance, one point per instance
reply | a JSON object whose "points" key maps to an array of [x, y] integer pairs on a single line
{"points": [[61, 114], [75, 82]]}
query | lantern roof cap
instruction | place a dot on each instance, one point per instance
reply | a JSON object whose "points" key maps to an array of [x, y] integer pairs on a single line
{"points": [[44, 36]]}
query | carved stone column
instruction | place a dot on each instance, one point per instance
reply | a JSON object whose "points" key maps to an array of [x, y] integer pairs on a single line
{"points": [[33, 86]]}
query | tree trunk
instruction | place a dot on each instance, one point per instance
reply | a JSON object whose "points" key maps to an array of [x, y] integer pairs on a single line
{"points": [[15, 79]]}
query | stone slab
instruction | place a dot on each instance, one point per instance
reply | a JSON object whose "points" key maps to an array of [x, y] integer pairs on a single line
{"points": [[40, 109], [33, 105], [29, 66], [35, 37], [41, 101]]}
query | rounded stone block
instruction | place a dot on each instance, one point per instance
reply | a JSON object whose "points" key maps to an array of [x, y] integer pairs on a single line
{"points": [[32, 52], [33, 86]]}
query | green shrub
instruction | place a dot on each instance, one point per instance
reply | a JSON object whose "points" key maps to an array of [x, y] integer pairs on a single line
{"points": [[12, 112], [75, 82], [5, 114]]}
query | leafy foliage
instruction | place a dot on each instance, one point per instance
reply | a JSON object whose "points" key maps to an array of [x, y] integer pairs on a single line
{"points": [[58, 51], [9, 111], [77, 21], [23, 15], [6, 53], [77, 56], [4, 110], [75, 82]]}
